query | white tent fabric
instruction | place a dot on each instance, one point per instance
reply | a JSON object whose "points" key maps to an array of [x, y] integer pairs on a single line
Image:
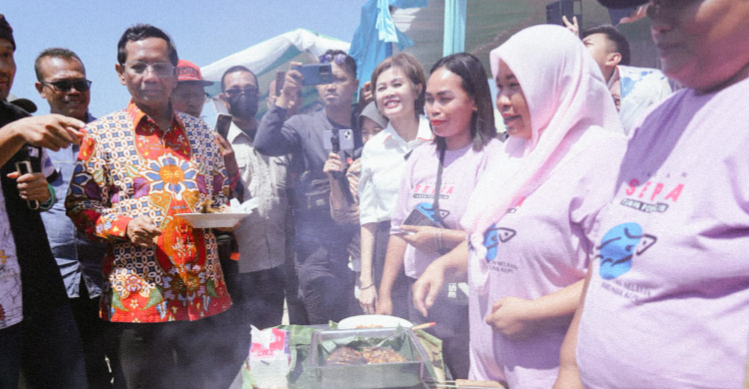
{"points": [[266, 56]]}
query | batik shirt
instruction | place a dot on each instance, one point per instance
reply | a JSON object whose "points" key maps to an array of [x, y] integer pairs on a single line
{"points": [[11, 311], [129, 167]]}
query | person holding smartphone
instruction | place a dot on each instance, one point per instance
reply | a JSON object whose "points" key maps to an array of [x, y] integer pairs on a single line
{"points": [[320, 243], [437, 182], [398, 84], [38, 334], [371, 122]]}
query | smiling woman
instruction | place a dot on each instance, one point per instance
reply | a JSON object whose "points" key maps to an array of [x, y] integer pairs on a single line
{"points": [[398, 84], [434, 192], [527, 218]]}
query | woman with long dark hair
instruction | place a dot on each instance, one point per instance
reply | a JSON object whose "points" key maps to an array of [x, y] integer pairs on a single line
{"points": [[436, 185]]}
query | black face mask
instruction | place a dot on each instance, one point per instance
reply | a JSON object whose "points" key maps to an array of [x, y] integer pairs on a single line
{"points": [[244, 106]]}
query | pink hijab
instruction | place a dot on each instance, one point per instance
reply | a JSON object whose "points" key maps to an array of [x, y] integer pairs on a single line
{"points": [[569, 104]]}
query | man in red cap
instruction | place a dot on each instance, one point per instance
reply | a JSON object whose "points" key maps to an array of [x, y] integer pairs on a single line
{"points": [[189, 95]]}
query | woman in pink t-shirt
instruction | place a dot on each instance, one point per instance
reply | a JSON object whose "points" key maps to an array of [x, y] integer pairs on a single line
{"points": [[529, 214], [666, 303], [436, 185]]}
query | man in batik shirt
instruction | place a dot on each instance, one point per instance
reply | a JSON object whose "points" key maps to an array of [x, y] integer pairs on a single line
{"points": [[138, 169]]}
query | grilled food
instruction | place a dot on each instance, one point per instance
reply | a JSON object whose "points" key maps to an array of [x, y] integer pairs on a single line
{"points": [[345, 356], [382, 355]]}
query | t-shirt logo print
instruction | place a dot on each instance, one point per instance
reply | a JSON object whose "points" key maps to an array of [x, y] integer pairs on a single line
{"points": [[619, 246], [493, 237]]}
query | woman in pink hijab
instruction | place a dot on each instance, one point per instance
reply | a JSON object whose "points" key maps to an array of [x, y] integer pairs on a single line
{"points": [[529, 215]]}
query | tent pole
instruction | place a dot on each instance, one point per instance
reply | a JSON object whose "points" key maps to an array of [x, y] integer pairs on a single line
{"points": [[454, 38]]}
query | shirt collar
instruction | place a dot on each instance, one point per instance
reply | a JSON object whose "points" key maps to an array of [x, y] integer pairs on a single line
{"points": [[424, 132], [614, 77], [137, 116]]}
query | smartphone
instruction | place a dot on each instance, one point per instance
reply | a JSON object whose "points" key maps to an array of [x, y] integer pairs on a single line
{"points": [[423, 215], [316, 73], [344, 141], [280, 77], [568, 8], [24, 167], [223, 123]]}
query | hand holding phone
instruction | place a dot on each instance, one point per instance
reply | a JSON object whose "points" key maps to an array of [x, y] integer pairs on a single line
{"points": [[223, 123], [280, 77], [23, 168], [315, 74]]}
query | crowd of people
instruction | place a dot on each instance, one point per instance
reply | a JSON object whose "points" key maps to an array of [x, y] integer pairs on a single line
{"points": [[596, 243]]}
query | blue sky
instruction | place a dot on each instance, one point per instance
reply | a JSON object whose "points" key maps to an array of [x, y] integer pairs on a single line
{"points": [[204, 31]]}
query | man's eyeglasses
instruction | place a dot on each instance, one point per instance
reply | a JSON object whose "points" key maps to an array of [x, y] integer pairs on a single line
{"points": [[66, 85], [339, 59], [232, 93], [160, 69]]}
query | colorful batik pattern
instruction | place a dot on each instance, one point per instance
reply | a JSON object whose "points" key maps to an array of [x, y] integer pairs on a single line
{"points": [[128, 167]]}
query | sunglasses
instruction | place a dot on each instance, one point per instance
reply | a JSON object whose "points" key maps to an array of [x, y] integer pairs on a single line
{"points": [[66, 85], [339, 59]]}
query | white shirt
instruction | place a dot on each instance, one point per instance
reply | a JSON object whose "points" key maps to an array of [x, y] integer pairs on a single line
{"points": [[11, 311], [383, 164], [641, 88], [262, 235]]}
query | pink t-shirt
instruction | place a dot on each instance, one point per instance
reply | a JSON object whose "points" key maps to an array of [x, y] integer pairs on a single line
{"points": [[462, 170], [668, 302], [538, 248]]}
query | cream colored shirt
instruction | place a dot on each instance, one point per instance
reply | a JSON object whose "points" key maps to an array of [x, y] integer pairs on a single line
{"points": [[383, 162], [262, 235]]}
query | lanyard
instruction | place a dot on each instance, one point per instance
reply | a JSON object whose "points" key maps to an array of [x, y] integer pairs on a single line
{"points": [[438, 187]]}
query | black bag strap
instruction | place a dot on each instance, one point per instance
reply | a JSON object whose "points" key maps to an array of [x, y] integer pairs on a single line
{"points": [[438, 188]]}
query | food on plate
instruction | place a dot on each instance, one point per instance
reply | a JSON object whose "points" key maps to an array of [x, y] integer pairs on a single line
{"points": [[369, 326]]}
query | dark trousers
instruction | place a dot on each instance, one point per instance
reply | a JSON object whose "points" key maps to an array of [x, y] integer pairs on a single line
{"points": [[450, 312], [325, 282], [178, 354], [52, 354], [257, 299], [399, 293], [98, 344], [10, 356]]}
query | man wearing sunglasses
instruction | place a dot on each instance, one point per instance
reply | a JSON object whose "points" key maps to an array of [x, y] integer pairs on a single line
{"points": [[61, 80]]}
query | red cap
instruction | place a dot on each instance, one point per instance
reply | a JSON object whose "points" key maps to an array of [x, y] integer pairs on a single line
{"points": [[189, 72]]}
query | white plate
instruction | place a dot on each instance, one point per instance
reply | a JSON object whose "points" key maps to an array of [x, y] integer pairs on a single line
{"points": [[213, 220], [373, 321]]}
